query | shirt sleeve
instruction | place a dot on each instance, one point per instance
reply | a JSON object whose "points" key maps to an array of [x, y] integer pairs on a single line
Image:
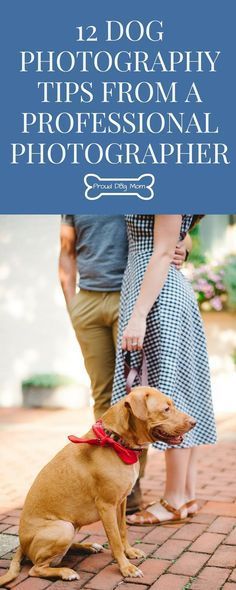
{"points": [[68, 220]]}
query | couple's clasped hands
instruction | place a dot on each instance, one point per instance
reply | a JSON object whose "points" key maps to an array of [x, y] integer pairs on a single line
{"points": [[134, 333]]}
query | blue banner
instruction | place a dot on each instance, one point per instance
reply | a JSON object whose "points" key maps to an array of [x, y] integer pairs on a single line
{"points": [[117, 107]]}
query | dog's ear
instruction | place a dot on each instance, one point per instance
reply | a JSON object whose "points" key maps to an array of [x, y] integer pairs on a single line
{"points": [[137, 402]]}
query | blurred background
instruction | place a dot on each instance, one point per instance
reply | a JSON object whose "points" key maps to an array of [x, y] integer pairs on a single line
{"points": [[45, 392], [44, 388], [40, 362]]}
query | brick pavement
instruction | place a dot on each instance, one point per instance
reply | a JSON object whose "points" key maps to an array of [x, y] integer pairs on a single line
{"points": [[200, 555]]}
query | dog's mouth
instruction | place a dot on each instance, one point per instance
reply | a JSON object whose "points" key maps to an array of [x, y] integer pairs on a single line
{"points": [[158, 435]]}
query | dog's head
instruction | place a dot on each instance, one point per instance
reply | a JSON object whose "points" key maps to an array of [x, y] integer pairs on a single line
{"points": [[155, 414]]}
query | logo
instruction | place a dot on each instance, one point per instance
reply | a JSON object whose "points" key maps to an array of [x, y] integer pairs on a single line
{"points": [[141, 187]]}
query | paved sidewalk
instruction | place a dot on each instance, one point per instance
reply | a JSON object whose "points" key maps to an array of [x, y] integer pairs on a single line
{"points": [[200, 555]]}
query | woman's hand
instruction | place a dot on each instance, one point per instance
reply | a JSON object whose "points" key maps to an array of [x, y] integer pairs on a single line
{"points": [[134, 333]]}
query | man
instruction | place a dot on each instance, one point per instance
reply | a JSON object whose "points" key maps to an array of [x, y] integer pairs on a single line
{"points": [[96, 247]]}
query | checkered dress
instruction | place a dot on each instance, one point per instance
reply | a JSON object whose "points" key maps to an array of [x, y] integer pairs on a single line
{"points": [[174, 343]]}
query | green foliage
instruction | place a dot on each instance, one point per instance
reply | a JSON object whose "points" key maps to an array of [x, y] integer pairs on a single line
{"points": [[46, 381], [230, 280], [196, 256], [189, 584]]}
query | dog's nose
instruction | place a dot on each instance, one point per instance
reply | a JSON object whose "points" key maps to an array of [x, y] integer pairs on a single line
{"points": [[192, 421]]}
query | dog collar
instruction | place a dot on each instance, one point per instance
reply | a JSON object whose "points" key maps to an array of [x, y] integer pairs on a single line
{"points": [[106, 438]]}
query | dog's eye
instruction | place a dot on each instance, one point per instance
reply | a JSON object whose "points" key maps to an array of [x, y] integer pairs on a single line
{"points": [[167, 409]]}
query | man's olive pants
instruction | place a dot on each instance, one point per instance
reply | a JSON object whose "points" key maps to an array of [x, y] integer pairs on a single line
{"points": [[94, 317]]}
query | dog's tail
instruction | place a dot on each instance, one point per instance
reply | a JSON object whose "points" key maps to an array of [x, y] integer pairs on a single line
{"points": [[14, 569]]}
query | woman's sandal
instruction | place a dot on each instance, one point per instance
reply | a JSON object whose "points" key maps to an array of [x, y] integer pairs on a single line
{"points": [[146, 518], [188, 505]]}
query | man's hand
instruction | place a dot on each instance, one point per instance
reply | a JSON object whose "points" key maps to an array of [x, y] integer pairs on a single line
{"points": [[181, 251], [179, 255]]}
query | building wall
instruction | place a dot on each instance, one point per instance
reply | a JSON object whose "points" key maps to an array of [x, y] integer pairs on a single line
{"points": [[218, 236], [35, 331]]}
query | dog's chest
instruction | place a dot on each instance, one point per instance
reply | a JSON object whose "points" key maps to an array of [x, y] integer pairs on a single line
{"points": [[133, 476], [135, 473]]}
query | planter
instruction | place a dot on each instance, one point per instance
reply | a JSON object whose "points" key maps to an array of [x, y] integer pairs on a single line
{"points": [[64, 396]]}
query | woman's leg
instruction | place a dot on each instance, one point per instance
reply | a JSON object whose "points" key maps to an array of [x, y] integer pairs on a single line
{"points": [[190, 489], [177, 465], [179, 487]]}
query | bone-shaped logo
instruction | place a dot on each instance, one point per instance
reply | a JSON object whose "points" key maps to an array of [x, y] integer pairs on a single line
{"points": [[140, 187]]}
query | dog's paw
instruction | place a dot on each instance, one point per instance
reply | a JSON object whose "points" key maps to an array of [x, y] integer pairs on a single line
{"points": [[69, 574], [131, 571], [133, 553], [96, 548]]}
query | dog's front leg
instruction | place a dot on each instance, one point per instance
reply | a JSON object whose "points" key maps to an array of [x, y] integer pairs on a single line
{"points": [[130, 552], [108, 517]]}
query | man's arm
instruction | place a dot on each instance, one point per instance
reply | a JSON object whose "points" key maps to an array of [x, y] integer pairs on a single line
{"points": [[67, 261]]}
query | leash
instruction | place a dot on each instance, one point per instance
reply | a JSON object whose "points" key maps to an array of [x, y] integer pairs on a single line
{"points": [[132, 372]]}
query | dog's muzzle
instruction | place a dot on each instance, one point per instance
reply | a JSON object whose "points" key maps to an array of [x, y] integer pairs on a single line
{"points": [[159, 435]]}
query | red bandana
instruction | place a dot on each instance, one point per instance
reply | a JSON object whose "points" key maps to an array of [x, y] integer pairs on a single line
{"points": [[129, 456]]}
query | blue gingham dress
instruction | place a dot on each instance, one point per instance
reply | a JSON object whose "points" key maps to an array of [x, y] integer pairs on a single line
{"points": [[174, 343]]}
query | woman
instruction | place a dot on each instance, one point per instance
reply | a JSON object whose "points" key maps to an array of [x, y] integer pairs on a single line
{"points": [[159, 312]]}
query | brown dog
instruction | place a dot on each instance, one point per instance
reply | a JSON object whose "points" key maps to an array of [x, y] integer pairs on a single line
{"points": [[85, 483]]}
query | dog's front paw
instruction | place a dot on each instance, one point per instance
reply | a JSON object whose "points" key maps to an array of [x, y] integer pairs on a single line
{"points": [[131, 571], [133, 553], [69, 574], [96, 548]]}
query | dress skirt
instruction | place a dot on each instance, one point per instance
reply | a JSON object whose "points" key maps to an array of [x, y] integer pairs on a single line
{"points": [[174, 343]]}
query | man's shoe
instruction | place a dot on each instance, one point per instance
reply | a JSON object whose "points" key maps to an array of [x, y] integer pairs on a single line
{"points": [[134, 500]]}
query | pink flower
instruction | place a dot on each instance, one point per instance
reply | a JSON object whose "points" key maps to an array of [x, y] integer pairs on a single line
{"points": [[213, 277], [201, 282], [220, 286], [216, 303], [208, 290]]}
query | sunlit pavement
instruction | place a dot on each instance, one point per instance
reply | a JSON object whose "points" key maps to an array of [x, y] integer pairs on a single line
{"points": [[197, 555]]}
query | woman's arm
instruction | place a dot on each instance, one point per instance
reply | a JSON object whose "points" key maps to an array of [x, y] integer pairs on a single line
{"points": [[166, 236]]}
